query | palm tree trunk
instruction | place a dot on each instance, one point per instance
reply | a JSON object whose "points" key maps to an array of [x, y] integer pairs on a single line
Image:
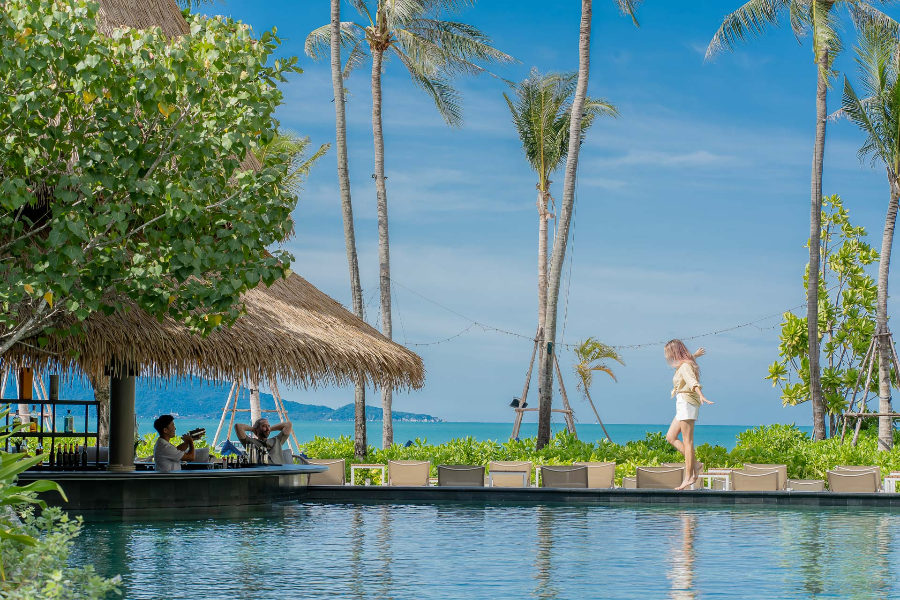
{"points": [[340, 118], [815, 224], [596, 414], [542, 268], [565, 218], [384, 254], [885, 424]]}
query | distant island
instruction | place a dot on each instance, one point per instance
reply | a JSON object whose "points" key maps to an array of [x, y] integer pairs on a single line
{"points": [[205, 400]]}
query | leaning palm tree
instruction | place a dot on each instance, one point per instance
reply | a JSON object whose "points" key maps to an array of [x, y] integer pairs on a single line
{"points": [[340, 121], [433, 51], [878, 116], [816, 17], [545, 372], [542, 113], [592, 356]]}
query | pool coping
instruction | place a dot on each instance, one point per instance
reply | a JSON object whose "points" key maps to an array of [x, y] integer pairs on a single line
{"points": [[613, 497]]}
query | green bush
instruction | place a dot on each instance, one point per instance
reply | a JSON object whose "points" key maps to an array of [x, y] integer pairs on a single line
{"points": [[779, 444]]}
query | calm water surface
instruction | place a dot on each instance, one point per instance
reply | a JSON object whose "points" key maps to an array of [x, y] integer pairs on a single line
{"points": [[475, 551]]}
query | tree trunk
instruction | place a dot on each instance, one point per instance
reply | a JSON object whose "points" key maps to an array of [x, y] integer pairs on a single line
{"points": [[384, 254], [565, 218], [815, 225], [596, 414], [255, 408], [885, 424], [101, 395], [542, 268], [343, 168]]}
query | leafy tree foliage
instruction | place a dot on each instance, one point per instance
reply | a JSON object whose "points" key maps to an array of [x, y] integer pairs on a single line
{"points": [[124, 173], [846, 316]]}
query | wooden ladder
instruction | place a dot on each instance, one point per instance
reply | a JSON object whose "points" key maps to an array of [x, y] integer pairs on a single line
{"points": [[566, 410], [231, 407]]}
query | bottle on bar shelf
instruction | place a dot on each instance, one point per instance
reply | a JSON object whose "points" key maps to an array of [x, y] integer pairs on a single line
{"points": [[68, 456], [69, 423], [84, 457], [39, 451], [32, 424], [52, 461], [17, 420]]}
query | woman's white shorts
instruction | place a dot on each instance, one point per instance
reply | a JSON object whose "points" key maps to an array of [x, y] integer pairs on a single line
{"points": [[684, 410]]}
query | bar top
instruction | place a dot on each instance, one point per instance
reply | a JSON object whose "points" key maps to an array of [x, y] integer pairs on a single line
{"points": [[184, 474]]}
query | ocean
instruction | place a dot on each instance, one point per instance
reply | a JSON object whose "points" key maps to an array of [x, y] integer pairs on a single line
{"points": [[439, 433]]}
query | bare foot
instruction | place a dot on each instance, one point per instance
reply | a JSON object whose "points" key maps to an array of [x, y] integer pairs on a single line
{"points": [[687, 483]]}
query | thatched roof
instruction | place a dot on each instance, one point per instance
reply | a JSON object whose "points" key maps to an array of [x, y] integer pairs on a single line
{"points": [[292, 331]]}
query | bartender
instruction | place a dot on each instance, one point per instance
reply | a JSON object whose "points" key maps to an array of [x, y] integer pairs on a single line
{"points": [[166, 455], [262, 430]]}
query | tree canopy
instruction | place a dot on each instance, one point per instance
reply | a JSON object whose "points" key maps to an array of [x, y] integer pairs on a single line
{"points": [[127, 173]]}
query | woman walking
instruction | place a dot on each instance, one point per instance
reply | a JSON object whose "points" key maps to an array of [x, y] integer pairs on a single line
{"points": [[689, 397]]}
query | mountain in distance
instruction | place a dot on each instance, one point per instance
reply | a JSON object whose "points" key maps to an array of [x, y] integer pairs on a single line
{"points": [[205, 400]]}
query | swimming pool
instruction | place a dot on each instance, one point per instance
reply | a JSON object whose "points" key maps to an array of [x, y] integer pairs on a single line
{"points": [[498, 551]]}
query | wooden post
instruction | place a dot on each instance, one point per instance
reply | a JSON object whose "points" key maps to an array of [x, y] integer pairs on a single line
{"points": [[518, 422], [282, 414], [862, 368], [222, 419], [237, 394], [864, 403], [569, 415]]}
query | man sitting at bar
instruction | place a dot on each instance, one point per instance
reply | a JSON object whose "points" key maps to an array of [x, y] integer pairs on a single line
{"points": [[167, 456], [262, 430]]}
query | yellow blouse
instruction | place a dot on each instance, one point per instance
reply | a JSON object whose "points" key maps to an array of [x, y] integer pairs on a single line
{"points": [[684, 382]]}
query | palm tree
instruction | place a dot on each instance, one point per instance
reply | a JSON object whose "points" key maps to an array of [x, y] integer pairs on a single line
{"points": [[296, 147], [817, 17], [878, 116], [545, 373], [592, 356], [433, 51], [541, 113], [340, 119]]}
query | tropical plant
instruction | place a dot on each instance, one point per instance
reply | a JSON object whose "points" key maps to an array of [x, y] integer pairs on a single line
{"points": [[592, 356], [846, 317], [33, 553], [343, 168], [816, 17], [878, 116], [433, 51], [295, 147], [122, 178], [541, 114], [545, 371]]}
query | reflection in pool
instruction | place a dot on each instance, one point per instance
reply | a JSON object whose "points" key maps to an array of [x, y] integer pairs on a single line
{"points": [[477, 551]]}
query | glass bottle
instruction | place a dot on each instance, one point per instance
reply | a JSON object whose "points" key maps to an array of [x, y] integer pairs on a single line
{"points": [[32, 424], [69, 423], [17, 420], [84, 457], [52, 462]]}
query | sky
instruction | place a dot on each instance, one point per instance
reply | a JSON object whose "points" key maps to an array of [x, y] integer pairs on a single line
{"points": [[692, 208]]}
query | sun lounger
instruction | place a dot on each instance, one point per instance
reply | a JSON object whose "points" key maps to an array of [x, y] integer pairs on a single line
{"points": [[335, 475], [754, 480], [601, 475], [782, 471], [853, 481], [681, 465], [461, 475], [629, 483], [806, 485], [510, 473], [860, 468], [408, 472], [557, 476], [659, 478]]}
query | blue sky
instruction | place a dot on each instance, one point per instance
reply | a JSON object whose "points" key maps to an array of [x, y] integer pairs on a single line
{"points": [[692, 208]]}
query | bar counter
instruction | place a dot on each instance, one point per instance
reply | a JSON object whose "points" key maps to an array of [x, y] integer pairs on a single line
{"points": [[116, 492]]}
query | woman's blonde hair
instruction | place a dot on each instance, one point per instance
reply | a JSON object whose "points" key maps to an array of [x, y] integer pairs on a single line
{"points": [[677, 353]]}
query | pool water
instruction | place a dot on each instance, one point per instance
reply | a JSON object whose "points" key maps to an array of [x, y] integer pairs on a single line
{"points": [[451, 551]]}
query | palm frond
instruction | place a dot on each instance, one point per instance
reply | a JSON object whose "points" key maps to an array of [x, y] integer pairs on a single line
{"points": [[318, 42], [592, 356], [825, 33], [361, 8], [357, 57], [450, 47], [752, 20], [290, 143], [427, 78], [865, 15], [628, 8]]}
